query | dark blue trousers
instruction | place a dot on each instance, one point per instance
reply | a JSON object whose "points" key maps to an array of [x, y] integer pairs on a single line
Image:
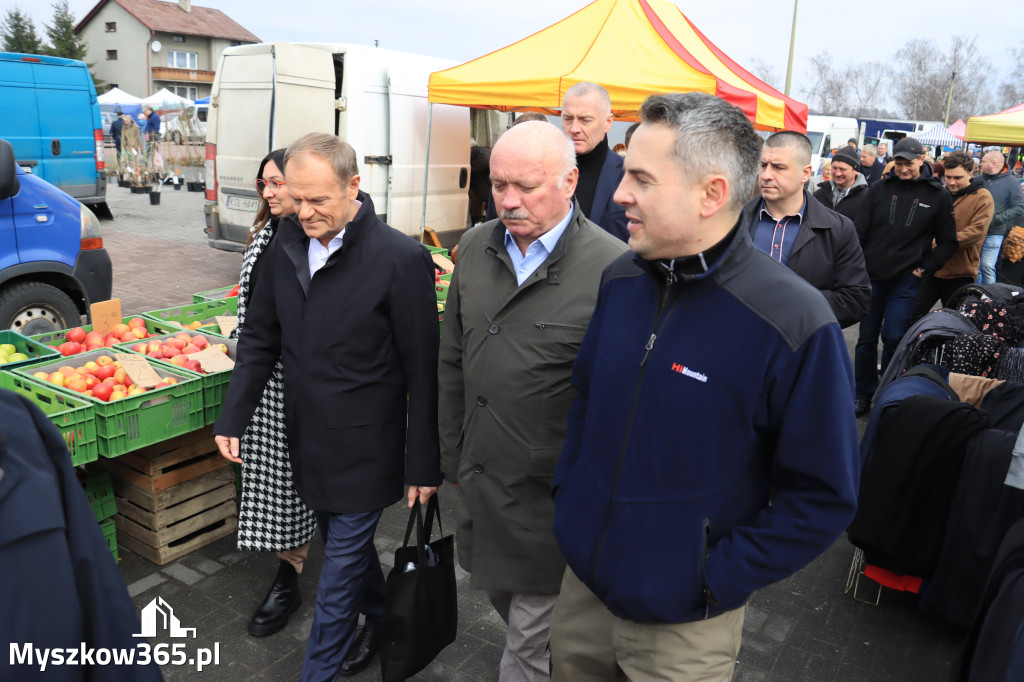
{"points": [[351, 582], [890, 312]]}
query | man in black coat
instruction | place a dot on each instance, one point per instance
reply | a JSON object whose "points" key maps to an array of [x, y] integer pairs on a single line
{"points": [[349, 305], [847, 188], [814, 242], [586, 119], [900, 218], [870, 166]]}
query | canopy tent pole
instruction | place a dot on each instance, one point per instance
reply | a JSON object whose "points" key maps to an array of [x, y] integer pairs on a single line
{"points": [[426, 171]]}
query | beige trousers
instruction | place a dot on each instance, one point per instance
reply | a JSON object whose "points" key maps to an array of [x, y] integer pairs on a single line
{"points": [[588, 643]]}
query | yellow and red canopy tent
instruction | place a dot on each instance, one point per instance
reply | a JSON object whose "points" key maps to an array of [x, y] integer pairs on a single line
{"points": [[1005, 128], [633, 48]]}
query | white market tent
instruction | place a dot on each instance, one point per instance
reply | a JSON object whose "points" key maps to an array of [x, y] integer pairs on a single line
{"points": [[938, 134], [118, 96], [165, 99]]}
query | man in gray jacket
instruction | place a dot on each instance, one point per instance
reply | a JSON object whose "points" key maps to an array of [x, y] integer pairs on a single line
{"points": [[1009, 203], [520, 300]]}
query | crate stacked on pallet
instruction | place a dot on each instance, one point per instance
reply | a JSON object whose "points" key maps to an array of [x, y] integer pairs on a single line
{"points": [[173, 497], [99, 489]]}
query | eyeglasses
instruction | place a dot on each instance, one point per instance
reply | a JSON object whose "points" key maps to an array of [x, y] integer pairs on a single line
{"points": [[274, 185]]}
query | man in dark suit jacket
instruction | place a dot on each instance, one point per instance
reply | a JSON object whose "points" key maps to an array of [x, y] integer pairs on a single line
{"points": [[870, 166], [586, 119], [355, 326], [796, 230]]}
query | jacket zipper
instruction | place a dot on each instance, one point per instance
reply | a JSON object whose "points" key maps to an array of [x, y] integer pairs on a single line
{"points": [[892, 210], [910, 216], [705, 550], [658, 321]]}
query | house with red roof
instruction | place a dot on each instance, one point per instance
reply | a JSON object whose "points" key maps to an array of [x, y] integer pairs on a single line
{"points": [[142, 46]]}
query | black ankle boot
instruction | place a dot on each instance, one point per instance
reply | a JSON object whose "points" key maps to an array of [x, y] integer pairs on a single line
{"points": [[282, 601]]}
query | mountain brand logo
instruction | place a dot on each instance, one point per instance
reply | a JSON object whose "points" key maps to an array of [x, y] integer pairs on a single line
{"points": [[686, 371], [925, 205], [159, 613]]}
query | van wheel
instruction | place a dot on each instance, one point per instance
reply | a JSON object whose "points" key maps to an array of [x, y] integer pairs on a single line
{"points": [[36, 308]]}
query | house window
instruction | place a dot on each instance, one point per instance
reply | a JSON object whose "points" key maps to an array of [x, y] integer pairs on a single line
{"points": [[185, 91], [111, 55], [183, 60], [178, 39], [111, 27]]}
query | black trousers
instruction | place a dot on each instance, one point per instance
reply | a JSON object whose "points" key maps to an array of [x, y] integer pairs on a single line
{"points": [[934, 289]]}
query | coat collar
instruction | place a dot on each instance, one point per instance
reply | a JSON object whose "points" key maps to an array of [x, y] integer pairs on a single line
{"points": [[295, 243], [815, 218], [494, 245]]}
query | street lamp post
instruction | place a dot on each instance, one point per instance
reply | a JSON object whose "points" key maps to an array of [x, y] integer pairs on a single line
{"points": [[792, 42]]}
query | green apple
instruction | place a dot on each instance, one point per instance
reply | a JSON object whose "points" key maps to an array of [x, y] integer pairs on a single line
{"points": [[8, 348], [16, 357]]}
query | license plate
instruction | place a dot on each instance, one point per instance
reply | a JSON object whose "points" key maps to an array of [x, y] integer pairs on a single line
{"points": [[242, 203]]}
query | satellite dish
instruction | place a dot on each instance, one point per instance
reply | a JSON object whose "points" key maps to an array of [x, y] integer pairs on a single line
{"points": [[156, 46]]}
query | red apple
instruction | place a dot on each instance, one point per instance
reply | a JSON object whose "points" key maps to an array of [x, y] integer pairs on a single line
{"points": [[139, 348], [190, 349], [136, 322], [70, 348], [77, 335], [200, 341], [176, 342], [118, 330], [94, 337], [179, 359], [156, 355], [171, 351], [102, 391], [105, 371], [193, 365]]}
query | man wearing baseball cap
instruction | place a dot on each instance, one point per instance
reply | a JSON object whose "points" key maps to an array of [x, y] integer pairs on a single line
{"points": [[896, 223]]}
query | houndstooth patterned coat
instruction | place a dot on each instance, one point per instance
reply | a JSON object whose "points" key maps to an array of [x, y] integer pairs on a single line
{"points": [[271, 517]]}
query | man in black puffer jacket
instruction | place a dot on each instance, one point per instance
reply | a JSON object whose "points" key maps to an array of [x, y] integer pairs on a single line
{"points": [[896, 223]]}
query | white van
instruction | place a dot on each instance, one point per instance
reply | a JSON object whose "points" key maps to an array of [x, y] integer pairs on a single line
{"points": [[187, 126], [827, 133], [266, 96]]}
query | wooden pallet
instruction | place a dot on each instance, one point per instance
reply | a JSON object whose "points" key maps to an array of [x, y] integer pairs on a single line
{"points": [[174, 461], [173, 497]]}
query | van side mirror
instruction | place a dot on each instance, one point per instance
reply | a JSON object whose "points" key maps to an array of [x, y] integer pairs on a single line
{"points": [[9, 184]]}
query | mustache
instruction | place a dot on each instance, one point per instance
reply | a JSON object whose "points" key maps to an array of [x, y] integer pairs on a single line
{"points": [[514, 215]]}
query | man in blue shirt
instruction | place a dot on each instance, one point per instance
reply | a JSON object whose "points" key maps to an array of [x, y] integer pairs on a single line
{"points": [[795, 229], [519, 303]]}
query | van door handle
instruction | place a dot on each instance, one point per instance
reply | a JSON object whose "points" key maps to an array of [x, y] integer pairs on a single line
{"points": [[55, 147]]}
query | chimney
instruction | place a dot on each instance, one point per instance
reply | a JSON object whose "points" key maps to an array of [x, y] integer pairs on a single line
{"points": [[186, 5]]}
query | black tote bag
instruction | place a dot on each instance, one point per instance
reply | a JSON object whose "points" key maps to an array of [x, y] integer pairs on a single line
{"points": [[421, 610]]}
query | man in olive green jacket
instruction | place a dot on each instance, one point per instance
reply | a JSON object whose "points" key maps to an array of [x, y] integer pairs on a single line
{"points": [[521, 296]]}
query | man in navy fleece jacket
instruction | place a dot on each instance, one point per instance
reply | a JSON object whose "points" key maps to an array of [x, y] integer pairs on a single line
{"points": [[712, 447]]}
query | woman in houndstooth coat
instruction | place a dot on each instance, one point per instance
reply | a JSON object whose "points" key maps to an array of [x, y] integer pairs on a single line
{"points": [[271, 517]]}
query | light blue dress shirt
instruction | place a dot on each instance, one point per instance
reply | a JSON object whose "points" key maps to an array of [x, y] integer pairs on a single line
{"points": [[317, 253], [537, 252]]}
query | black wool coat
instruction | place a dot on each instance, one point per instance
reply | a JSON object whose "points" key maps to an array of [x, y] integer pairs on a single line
{"points": [[359, 344]]}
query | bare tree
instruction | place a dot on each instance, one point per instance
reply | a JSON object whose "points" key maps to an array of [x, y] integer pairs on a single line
{"points": [[828, 94], [766, 72], [926, 71], [866, 83], [1012, 91]]}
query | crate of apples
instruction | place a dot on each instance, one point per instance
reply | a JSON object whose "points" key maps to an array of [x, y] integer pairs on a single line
{"points": [[176, 349], [78, 340], [103, 379]]}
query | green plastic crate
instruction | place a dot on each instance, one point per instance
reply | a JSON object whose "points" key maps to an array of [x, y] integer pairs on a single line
{"points": [[74, 417], [442, 290], [110, 534], [57, 338], [23, 344], [213, 294], [139, 420], [100, 491], [214, 383], [186, 314], [438, 249]]}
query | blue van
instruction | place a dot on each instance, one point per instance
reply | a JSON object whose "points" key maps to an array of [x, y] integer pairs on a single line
{"points": [[52, 262], [52, 119]]}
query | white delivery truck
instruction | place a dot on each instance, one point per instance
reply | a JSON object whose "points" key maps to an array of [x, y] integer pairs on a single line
{"points": [[268, 95], [827, 133]]}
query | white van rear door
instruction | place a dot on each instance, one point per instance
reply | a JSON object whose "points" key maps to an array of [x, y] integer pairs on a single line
{"points": [[448, 198], [304, 93]]}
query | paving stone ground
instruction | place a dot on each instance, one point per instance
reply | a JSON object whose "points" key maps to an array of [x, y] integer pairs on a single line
{"points": [[803, 628]]}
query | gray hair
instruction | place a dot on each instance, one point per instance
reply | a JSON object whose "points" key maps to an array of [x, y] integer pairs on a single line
{"points": [[585, 88], [537, 130], [792, 140], [871, 149], [712, 137], [330, 148]]}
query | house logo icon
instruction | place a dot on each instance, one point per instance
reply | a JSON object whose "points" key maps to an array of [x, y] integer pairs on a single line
{"points": [[158, 616]]}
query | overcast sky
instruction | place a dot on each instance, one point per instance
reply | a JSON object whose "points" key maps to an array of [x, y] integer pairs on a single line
{"points": [[861, 30]]}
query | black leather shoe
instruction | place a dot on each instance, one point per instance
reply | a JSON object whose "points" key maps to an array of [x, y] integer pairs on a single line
{"points": [[861, 406], [281, 602], [364, 646]]}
